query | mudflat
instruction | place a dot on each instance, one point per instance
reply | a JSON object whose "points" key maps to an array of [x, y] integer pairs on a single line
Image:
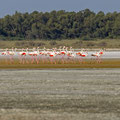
{"points": [[62, 94], [87, 63]]}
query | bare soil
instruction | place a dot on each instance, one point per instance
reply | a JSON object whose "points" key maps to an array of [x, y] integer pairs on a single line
{"points": [[62, 94]]}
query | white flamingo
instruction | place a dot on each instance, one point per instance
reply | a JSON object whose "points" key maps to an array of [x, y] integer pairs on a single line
{"points": [[5, 53], [11, 54], [22, 55], [98, 55]]}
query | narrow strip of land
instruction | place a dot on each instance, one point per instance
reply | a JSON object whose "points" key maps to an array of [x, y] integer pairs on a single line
{"points": [[111, 63]]}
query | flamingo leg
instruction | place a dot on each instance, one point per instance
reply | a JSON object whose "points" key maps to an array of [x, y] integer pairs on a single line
{"points": [[6, 59], [10, 59], [58, 60], [23, 59], [39, 58], [73, 60], [51, 60], [91, 60], [48, 59], [100, 59], [43, 60], [32, 59], [68, 59], [20, 59], [81, 60], [62, 59], [36, 59], [55, 60], [27, 61], [97, 59]]}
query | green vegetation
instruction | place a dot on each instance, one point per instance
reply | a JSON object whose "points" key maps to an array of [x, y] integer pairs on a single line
{"points": [[75, 43], [53, 25]]}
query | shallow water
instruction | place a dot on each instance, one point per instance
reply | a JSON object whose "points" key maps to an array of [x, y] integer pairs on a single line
{"points": [[106, 55]]}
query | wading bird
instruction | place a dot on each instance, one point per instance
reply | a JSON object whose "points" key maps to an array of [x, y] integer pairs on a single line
{"points": [[98, 55], [11, 54], [5, 53], [22, 55]]}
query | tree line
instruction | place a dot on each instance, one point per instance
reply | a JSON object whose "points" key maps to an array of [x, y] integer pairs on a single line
{"points": [[84, 24]]}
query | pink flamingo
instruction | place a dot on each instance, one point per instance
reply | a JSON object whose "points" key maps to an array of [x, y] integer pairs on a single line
{"points": [[22, 55], [5, 53], [63, 53], [43, 53], [31, 54], [98, 55], [34, 54], [11, 53], [70, 53], [82, 54], [52, 54]]}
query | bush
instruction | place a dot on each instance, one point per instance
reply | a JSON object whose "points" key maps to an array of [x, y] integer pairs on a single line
{"points": [[32, 44], [90, 44], [53, 43], [20, 43], [102, 44], [79, 43], [40, 44], [86, 38]]}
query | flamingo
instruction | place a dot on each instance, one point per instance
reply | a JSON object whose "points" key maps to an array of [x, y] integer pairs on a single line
{"points": [[98, 55], [23, 54], [11, 53], [31, 54], [45, 53], [63, 52], [52, 54], [82, 54], [70, 53], [5, 53], [34, 54]]}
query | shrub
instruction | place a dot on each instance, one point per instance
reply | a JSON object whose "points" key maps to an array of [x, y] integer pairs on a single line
{"points": [[40, 44], [102, 44], [90, 44], [20, 43], [31, 43], [79, 43], [53, 43]]}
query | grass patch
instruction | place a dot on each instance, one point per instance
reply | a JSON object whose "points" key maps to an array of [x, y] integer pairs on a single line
{"points": [[75, 43]]}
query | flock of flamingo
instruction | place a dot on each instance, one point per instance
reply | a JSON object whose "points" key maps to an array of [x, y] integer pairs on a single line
{"points": [[53, 56]]}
